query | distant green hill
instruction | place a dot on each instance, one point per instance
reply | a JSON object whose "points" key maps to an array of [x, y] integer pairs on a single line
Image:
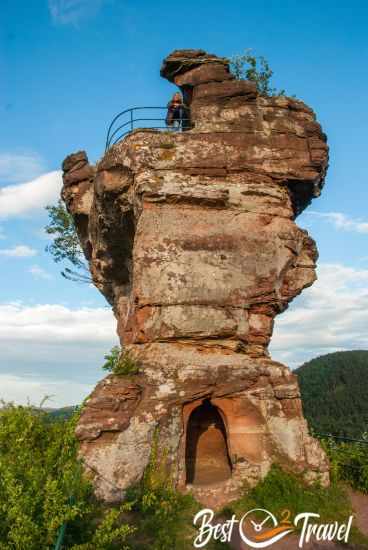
{"points": [[61, 414], [334, 390]]}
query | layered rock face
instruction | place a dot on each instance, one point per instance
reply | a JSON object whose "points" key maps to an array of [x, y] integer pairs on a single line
{"points": [[191, 238]]}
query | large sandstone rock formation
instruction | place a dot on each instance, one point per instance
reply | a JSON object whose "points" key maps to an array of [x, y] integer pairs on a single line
{"points": [[191, 238]]}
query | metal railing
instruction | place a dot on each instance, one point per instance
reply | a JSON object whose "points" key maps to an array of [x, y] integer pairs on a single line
{"points": [[124, 123]]}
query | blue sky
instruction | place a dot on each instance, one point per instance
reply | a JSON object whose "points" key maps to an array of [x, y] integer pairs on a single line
{"points": [[68, 66]]}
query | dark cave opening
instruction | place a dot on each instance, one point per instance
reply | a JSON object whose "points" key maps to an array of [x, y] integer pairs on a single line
{"points": [[206, 455]]}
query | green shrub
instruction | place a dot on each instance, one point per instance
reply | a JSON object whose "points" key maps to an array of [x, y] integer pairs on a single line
{"points": [[164, 515], [349, 463], [110, 533], [127, 365], [112, 359], [42, 487], [250, 67], [120, 363], [280, 490]]}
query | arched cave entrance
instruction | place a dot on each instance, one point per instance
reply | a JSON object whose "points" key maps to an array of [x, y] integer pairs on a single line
{"points": [[206, 453]]}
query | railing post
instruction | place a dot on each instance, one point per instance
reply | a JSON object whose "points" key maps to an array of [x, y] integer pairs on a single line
{"points": [[60, 539]]}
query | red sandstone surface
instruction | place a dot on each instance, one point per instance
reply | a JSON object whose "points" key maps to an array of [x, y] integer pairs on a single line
{"points": [[191, 237]]}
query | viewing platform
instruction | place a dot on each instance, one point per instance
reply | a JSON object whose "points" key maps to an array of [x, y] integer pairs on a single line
{"points": [[148, 118]]}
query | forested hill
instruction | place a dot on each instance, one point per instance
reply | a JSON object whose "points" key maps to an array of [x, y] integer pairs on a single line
{"points": [[334, 390]]}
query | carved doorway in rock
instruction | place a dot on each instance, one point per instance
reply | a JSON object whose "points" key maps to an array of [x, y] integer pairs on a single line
{"points": [[206, 453]]}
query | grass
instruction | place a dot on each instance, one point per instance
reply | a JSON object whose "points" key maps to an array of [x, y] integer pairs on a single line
{"points": [[281, 491]]}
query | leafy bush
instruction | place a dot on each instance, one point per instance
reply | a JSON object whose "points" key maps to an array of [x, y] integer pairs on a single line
{"points": [[110, 533], [112, 359], [164, 514], [280, 490], [349, 463], [42, 487], [246, 67], [120, 363]]}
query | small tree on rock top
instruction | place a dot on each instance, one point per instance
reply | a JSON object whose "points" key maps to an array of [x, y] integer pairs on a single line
{"points": [[249, 67]]}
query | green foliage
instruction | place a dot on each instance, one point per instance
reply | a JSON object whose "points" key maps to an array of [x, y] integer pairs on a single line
{"points": [[110, 533], [42, 487], [164, 515], [112, 359], [349, 463], [63, 413], [280, 490], [249, 67], [334, 392], [120, 363], [34, 487], [65, 245]]}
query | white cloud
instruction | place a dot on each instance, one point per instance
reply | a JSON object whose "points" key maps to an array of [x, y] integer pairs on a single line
{"points": [[19, 251], [332, 315], [342, 221], [32, 195], [54, 324], [53, 349], [39, 273], [72, 11], [25, 389], [18, 167]]}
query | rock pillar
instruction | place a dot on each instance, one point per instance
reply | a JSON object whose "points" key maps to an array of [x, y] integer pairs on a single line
{"points": [[191, 237]]}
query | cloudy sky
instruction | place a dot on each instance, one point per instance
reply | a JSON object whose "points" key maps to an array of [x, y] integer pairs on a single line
{"points": [[68, 66]]}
